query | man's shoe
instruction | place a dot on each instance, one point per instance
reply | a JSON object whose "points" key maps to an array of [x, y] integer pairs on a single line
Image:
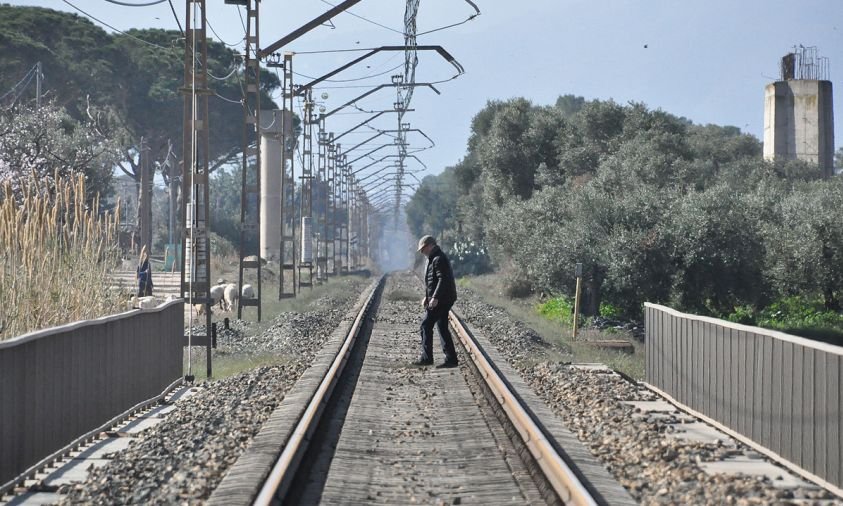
{"points": [[448, 364], [423, 362]]}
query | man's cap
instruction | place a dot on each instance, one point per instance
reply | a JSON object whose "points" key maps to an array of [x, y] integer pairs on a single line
{"points": [[424, 241]]}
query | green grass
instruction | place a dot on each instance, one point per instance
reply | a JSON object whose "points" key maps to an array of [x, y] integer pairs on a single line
{"points": [[558, 309], [556, 330]]}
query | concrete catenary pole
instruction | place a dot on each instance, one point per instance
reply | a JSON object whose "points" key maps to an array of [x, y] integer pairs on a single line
{"points": [[271, 151]]}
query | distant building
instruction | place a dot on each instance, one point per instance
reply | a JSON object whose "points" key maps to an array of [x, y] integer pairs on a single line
{"points": [[798, 111]]}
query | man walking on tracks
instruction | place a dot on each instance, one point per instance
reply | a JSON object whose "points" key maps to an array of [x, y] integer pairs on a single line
{"points": [[440, 295]]}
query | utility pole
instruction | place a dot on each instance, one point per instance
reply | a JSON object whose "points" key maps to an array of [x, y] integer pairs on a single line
{"points": [[287, 260], [145, 198], [326, 203], [38, 77], [172, 168], [351, 189], [306, 262], [338, 175], [196, 250], [343, 222], [288, 186], [322, 177], [331, 229], [251, 181]]}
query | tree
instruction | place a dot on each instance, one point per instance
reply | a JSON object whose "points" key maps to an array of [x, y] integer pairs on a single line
{"points": [[806, 245], [36, 145], [719, 251], [127, 86], [433, 207], [78, 57], [568, 105]]}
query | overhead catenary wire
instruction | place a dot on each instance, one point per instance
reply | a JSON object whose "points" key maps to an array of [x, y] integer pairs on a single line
{"points": [[238, 102], [353, 79], [236, 44], [212, 76], [433, 30], [365, 19], [348, 87]]}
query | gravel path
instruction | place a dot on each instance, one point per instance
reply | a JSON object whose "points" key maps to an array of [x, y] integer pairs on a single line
{"points": [[635, 447], [183, 458]]}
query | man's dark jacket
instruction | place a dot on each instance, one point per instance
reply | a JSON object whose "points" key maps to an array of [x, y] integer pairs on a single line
{"points": [[439, 278]]}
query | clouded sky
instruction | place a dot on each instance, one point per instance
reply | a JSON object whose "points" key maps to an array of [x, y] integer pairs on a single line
{"points": [[707, 60]]}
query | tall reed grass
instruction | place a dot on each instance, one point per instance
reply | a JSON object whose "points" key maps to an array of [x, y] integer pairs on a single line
{"points": [[56, 253]]}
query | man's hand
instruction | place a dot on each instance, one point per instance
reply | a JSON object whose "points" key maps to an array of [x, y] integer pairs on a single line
{"points": [[432, 303], [424, 302]]}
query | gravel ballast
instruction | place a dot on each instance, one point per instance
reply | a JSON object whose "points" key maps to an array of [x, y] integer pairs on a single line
{"points": [[183, 458], [635, 447]]}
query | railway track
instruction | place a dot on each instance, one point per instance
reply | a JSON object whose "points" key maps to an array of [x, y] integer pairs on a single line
{"points": [[351, 421], [364, 426]]}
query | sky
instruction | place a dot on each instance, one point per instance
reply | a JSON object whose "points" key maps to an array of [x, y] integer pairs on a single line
{"points": [[706, 60]]}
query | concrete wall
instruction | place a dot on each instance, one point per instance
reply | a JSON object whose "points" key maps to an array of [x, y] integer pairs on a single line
{"points": [[799, 122], [780, 391], [57, 384]]}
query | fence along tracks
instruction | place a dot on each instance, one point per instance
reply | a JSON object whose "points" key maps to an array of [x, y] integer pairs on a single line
{"points": [[370, 428]]}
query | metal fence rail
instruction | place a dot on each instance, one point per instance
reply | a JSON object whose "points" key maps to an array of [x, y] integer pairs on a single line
{"points": [[59, 383], [780, 391]]}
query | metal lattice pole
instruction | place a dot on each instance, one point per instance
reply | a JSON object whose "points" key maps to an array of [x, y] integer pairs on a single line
{"points": [[288, 187], [306, 262], [250, 189], [196, 251]]}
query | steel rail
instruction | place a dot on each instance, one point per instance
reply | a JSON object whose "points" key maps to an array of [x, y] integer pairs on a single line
{"points": [[563, 480], [278, 481]]}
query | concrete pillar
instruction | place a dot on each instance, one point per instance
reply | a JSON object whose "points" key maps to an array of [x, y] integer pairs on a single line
{"points": [[271, 165], [799, 122]]}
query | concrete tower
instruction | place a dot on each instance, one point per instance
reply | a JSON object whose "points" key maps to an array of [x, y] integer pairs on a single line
{"points": [[273, 124], [798, 112]]}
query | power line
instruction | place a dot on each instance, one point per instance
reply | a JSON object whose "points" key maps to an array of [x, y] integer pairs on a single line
{"points": [[27, 78], [238, 102], [221, 78], [220, 38], [128, 4], [172, 8], [115, 29]]}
